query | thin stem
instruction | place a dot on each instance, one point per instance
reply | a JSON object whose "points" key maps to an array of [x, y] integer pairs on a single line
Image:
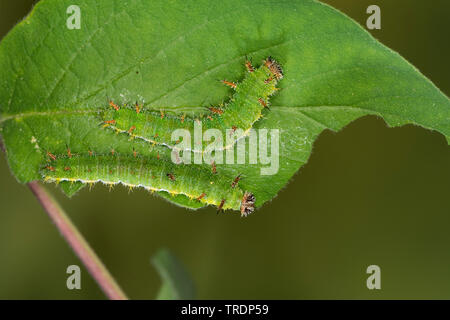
{"points": [[78, 243], [82, 249]]}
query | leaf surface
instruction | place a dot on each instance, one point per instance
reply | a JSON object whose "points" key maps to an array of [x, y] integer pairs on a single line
{"points": [[169, 55]]}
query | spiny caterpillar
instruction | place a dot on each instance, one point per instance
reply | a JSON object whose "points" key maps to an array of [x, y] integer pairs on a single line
{"points": [[153, 174], [245, 107], [199, 184]]}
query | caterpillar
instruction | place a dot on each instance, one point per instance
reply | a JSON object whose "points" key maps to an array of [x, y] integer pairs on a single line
{"points": [[151, 174], [245, 107], [195, 183]]}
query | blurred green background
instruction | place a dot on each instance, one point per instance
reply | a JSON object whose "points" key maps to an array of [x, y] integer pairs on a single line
{"points": [[369, 195]]}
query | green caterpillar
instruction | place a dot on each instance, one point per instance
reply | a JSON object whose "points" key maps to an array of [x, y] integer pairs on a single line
{"points": [[153, 175], [237, 116], [197, 183]]}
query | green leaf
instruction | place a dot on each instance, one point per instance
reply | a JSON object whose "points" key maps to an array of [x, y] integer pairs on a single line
{"points": [[176, 282], [169, 55], [70, 188]]}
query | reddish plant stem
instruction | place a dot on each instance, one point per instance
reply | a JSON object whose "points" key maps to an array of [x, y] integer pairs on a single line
{"points": [[78, 243]]}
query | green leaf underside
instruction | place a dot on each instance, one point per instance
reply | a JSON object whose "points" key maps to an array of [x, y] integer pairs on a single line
{"points": [[176, 282], [71, 188], [55, 80]]}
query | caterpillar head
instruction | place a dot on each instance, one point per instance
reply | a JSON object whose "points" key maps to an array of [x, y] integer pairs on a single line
{"points": [[274, 67], [247, 204]]}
